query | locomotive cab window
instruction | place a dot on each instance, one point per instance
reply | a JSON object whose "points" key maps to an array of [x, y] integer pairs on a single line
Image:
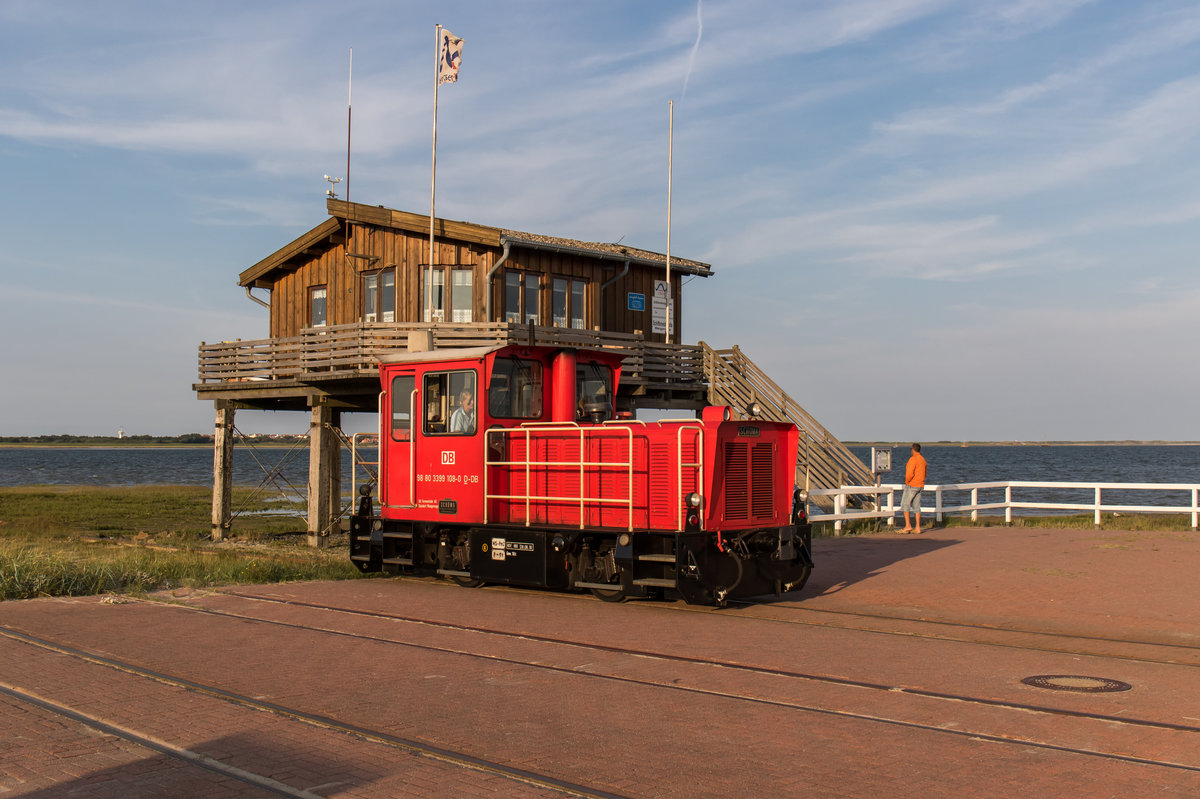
{"points": [[515, 389], [593, 388], [448, 399], [402, 393]]}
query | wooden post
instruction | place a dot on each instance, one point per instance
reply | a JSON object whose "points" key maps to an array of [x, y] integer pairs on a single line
{"points": [[222, 500], [324, 474]]}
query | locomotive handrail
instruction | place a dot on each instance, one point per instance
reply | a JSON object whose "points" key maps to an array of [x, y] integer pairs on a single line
{"points": [[582, 463], [699, 466]]}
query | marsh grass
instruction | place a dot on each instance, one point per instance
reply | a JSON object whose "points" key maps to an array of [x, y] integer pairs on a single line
{"points": [[73, 541]]}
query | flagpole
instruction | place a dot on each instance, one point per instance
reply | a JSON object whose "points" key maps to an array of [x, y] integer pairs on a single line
{"points": [[670, 155], [437, 54]]}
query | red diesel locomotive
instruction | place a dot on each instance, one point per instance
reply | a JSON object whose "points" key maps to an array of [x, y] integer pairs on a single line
{"points": [[506, 464]]}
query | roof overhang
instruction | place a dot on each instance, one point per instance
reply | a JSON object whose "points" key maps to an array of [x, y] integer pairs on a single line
{"points": [[320, 236], [609, 252]]}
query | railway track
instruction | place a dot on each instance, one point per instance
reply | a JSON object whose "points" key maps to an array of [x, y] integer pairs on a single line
{"points": [[1170, 654], [882, 688], [443, 755], [1141, 740]]}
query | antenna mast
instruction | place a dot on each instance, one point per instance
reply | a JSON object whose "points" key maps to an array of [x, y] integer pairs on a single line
{"points": [[349, 117], [670, 154]]}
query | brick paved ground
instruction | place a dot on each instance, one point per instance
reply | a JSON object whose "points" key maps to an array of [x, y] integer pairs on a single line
{"points": [[640, 725]]}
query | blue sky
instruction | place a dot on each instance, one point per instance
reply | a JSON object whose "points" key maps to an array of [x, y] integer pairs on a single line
{"points": [[928, 220]]}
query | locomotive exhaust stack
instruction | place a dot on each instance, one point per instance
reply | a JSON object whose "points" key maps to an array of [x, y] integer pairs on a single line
{"points": [[506, 464]]}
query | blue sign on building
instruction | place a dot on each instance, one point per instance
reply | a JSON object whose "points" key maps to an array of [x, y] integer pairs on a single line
{"points": [[636, 302]]}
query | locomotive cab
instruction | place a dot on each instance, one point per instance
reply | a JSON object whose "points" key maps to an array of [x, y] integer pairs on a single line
{"points": [[507, 464]]}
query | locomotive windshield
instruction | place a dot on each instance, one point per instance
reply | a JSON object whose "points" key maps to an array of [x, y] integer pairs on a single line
{"points": [[515, 390], [593, 388]]}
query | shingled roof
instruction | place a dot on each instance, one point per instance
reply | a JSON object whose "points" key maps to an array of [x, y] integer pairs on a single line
{"points": [[340, 211]]}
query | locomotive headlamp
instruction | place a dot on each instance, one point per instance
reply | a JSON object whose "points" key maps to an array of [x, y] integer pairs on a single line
{"points": [[364, 490], [693, 500], [754, 410]]}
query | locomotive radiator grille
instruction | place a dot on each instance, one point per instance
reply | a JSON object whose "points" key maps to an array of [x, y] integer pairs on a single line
{"points": [[737, 482], [749, 481]]}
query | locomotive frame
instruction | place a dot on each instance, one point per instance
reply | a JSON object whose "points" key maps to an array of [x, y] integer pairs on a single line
{"points": [[540, 484]]}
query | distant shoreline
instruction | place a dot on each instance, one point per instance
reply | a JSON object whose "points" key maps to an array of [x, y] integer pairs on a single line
{"points": [[1122, 443]]}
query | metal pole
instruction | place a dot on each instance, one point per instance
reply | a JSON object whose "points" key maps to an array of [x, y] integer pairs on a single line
{"points": [[437, 54], [670, 155]]}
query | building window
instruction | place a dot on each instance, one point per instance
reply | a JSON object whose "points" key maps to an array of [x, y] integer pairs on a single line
{"points": [[462, 295], [568, 302], [433, 295], [522, 297], [457, 304], [316, 306], [379, 296]]}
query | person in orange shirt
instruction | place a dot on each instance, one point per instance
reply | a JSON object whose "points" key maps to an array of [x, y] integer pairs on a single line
{"points": [[914, 484]]}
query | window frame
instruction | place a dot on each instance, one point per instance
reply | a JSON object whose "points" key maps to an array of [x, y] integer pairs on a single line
{"points": [[527, 282], [450, 383], [506, 374], [374, 291], [447, 309], [312, 305], [574, 300]]}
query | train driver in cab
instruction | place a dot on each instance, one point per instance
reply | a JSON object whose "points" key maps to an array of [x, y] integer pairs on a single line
{"points": [[463, 418]]}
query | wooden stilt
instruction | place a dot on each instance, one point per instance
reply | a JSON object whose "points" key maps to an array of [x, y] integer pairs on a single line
{"points": [[222, 500], [324, 474]]}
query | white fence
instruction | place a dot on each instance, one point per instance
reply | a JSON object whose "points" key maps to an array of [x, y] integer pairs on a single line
{"points": [[888, 506]]}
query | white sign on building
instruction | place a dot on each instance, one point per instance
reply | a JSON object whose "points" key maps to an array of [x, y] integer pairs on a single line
{"points": [[663, 308]]}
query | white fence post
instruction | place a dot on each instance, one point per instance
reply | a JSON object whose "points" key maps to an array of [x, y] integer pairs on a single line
{"points": [[974, 504], [1195, 507], [937, 504], [839, 507], [1008, 505], [891, 509], [1097, 506]]}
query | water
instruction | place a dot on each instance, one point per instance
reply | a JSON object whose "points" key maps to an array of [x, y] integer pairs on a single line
{"points": [[125, 466], [1135, 463]]}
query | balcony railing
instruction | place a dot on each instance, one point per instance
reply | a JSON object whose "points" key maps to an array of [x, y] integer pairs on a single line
{"points": [[341, 351]]}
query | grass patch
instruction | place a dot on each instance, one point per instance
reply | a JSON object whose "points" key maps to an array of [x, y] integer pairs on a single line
{"points": [[73, 541]]}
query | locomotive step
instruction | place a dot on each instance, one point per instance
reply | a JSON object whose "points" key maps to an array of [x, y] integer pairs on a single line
{"points": [[600, 586], [655, 557], [398, 561], [453, 573], [654, 582], [400, 536]]}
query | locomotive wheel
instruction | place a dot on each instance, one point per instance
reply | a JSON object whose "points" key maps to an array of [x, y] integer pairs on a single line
{"points": [[465, 582]]}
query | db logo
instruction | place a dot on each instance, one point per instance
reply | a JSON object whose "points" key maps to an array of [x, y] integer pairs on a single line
{"points": [[447, 458]]}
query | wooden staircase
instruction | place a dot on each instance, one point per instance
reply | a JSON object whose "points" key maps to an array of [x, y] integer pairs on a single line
{"points": [[823, 461]]}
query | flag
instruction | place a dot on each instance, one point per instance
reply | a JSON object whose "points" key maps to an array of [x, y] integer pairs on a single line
{"points": [[450, 56]]}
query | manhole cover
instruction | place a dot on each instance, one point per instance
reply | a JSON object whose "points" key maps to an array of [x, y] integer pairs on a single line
{"points": [[1071, 682]]}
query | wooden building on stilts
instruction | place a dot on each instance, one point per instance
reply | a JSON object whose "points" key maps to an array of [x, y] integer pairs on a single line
{"points": [[360, 285]]}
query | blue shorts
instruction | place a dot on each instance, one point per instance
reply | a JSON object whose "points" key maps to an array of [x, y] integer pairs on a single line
{"points": [[911, 500]]}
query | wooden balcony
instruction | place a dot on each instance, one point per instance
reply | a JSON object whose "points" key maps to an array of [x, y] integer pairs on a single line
{"points": [[341, 362]]}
